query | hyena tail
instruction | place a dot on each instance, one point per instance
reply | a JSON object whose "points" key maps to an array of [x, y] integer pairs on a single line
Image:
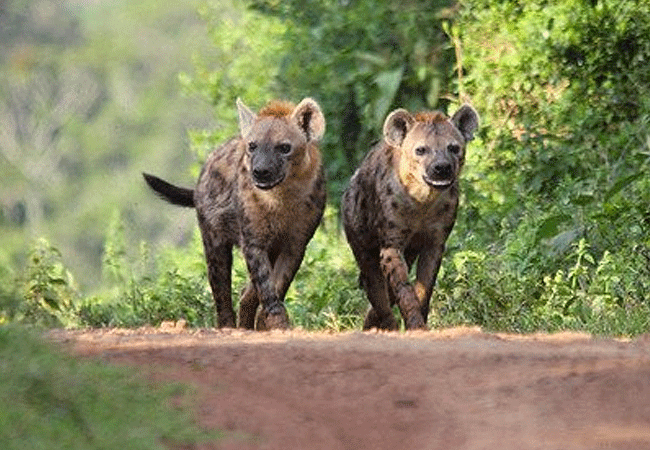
{"points": [[173, 194]]}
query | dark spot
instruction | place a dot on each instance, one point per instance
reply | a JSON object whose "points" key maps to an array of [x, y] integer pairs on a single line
{"points": [[389, 191], [384, 172], [394, 204], [309, 204], [391, 225], [390, 159]]}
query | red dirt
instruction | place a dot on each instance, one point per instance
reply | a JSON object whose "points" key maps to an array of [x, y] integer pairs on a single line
{"points": [[451, 389]]}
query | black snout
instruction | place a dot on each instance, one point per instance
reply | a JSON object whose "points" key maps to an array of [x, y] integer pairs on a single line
{"points": [[440, 174], [262, 175], [267, 170], [267, 178], [441, 171]]}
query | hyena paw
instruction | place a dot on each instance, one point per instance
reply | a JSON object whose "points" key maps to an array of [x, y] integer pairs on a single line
{"points": [[415, 322], [374, 321], [277, 320]]}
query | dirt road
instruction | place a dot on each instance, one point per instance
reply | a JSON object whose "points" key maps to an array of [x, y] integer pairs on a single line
{"points": [[450, 389]]}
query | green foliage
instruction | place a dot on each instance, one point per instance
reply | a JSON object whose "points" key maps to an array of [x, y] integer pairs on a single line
{"points": [[554, 227], [89, 98], [57, 402], [325, 294], [140, 291], [42, 294]]}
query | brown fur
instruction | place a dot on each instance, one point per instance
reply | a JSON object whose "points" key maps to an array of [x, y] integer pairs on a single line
{"points": [[265, 192], [401, 206]]}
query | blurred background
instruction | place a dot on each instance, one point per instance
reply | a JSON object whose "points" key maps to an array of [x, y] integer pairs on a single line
{"points": [[553, 229]]}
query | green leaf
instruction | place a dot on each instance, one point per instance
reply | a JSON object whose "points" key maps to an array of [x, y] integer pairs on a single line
{"points": [[621, 184], [388, 82], [583, 199], [550, 226]]}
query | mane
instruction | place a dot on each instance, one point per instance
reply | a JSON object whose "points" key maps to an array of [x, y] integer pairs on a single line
{"points": [[277, 108], [430, 117]]}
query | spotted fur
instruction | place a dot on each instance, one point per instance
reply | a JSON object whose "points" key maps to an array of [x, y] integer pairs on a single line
{"points": [[400, 206]]}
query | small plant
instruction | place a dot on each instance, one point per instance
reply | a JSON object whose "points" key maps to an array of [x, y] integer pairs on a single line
{"points": [[49, 289]]}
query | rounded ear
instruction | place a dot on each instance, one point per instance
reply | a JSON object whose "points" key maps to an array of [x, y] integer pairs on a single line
{"points": [[466, 120], [309, 118], [246, 117], [397, 125]]}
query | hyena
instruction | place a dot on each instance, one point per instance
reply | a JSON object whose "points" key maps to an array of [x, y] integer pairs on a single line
{"points": [[263, 191], [401, 206]]}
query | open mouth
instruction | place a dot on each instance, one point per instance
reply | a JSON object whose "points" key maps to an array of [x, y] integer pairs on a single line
{"points": [[266, 185], [438, 184]]}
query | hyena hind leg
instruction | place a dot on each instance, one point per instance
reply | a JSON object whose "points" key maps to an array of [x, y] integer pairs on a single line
{"points": [[219, 261], [248, 305]]}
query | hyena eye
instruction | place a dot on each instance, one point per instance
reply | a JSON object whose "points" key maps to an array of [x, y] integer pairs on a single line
{"points": [[283, 148], [252, 146], [453, 148], [420, 151]]}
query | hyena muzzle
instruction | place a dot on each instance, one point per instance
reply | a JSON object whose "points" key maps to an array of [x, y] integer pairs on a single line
{"points": [[400, 206], [263, 191]]}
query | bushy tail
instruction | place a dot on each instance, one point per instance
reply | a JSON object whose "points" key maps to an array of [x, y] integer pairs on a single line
{"points": [[173, 194]]}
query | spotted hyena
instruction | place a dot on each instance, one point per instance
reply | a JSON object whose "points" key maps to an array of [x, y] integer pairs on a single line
{"points": [[401, 205], [263, 191]]}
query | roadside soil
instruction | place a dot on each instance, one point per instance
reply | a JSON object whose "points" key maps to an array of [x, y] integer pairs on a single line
{"points": [[457, 388]]}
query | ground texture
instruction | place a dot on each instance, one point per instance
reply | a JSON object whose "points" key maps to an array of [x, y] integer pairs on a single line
{"points": [[450, 389]]}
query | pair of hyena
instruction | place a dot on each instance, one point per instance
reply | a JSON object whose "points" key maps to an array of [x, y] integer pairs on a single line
{"points": [[265, 192]]}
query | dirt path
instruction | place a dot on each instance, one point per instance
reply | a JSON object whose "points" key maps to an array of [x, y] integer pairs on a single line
{"points": [[449, 389]]}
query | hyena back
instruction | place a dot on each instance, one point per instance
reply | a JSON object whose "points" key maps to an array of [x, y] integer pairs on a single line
{"points": [[401, 206], [263, 191]]}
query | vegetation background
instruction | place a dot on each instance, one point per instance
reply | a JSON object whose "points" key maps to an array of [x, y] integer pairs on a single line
{"points": [[553, 229]]}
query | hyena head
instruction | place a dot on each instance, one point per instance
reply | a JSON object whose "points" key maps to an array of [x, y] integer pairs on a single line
{"points": [[278, 139], [431, 148]]}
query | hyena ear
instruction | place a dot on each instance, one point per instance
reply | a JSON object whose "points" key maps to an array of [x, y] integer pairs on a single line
{"points": [[309, 118], [466, 120], [397, 125], [246, 117]]}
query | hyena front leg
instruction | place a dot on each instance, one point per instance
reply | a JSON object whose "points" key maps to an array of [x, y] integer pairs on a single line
{"points": [[395, 270], [427, 272], [219, 261], [373, 282], [285, 267], [259, 268]]}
